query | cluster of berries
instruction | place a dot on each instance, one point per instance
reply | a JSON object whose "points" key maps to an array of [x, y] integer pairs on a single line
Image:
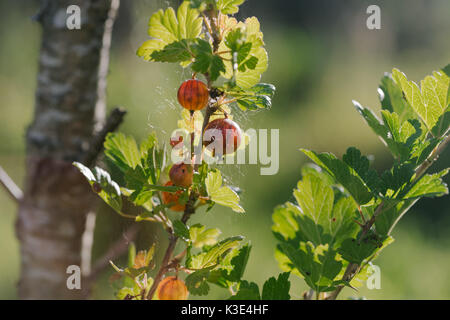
{"points": [[194, 95]]}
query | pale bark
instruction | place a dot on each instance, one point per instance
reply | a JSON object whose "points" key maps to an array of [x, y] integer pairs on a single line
{"points": [[57, 199]]}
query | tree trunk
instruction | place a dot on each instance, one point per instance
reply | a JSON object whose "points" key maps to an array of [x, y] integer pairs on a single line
{"points": [[68, 109]]}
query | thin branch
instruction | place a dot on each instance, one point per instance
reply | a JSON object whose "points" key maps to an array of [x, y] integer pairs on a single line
{"points": [[13, 190], [103, 68], [87, 242], [163, 268], [210, 109], [113, 121], [350, 272], [366, 227], [167, 261], [433, 157]]}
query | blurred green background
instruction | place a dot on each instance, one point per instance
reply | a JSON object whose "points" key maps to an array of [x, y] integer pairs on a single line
{"points": [[321, 57]]}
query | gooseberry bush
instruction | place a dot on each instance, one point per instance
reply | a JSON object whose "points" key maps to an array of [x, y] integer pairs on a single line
{"points": [[226, 59], [344, 210]]}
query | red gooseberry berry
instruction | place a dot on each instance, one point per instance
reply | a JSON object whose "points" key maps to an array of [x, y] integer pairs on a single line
{"points": [[172, 288], [193, 95], [225, 130], [181, 174]]}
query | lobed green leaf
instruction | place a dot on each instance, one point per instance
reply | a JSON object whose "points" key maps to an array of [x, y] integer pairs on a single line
{"points": [[229, 6], [277, 289], [166, 27], [222, 195]]}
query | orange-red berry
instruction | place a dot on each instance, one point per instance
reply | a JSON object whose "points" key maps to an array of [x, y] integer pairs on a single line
{"points": [[225, 130], [181, 174], [193, 95], [171, 288]]}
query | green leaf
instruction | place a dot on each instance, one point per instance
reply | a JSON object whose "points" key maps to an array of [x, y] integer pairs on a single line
{"points": [[154, 162], [430, 102], [128, 293], [446, 70], [123, 150], [277, 289], [180, 230], [344, 174], [134, 290], [285, 223], [206, 61], [342, 223], [238, 263], [222, 195], [250, 75], [197, 282], [404, 139], [229, 6], [430, 185], [166, 27], [389, 217], [361, 165], [435, 90], [143, 198], [214, 254], [241, 57], [177, 51], [391, 97], [250, 64], [148, 144], [317, 264], [259, 96], [285, 264], [199, 179], [397, 179], [247, 291], [423, 150], [254, 102], [315, 199], [317, 218], [443, 124], [356, 251], [136, 178], [235, 40], [401, 137], [315, 170], [372, 120], [102, 184], [200, 236], [232, 267]]}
